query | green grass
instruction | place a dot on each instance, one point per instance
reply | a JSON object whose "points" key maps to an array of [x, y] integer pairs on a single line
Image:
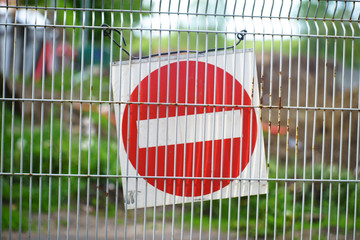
{"points": [[73, 81], [42, 158], [259, 204]]}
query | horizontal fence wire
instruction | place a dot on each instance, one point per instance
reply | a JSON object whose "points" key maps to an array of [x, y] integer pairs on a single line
{"points": [[182, 31], [183, 178], [182, 104], [62, 145]]}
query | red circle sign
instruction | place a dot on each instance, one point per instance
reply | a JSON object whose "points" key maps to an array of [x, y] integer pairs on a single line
{"points": [[188, 82]]}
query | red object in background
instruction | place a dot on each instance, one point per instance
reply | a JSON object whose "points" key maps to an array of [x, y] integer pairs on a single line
{"points": [[274, 129], [48, 61], [212, 158], [49, 58]]}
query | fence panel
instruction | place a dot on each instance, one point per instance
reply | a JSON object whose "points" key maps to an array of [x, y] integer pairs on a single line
{"points": [[179, 119]]}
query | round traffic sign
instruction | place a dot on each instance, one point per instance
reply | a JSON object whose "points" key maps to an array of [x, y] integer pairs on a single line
{"points": [[163, 139]]}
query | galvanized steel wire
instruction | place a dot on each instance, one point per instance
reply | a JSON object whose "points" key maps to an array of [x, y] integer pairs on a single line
{"points": [[300, 47]]}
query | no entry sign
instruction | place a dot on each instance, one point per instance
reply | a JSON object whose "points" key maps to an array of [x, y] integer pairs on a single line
{"points": [[188, 130]]}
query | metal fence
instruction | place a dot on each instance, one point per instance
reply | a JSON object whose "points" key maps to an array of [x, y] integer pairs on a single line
{"points": [[62, 63]]}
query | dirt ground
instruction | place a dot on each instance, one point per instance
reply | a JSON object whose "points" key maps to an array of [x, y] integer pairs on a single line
{"points": [[110, 229]]}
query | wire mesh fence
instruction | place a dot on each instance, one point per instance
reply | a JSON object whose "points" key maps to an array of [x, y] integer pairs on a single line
{"points": [[179, 119]]}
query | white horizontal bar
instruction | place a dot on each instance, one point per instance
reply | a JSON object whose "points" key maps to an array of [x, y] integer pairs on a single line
{"points": [[165, 129]]}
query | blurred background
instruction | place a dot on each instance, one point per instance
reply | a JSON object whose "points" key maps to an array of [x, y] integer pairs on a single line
{"points": [[55, 52]]}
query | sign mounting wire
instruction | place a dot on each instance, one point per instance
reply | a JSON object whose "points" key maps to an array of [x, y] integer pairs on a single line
{"points": [[107, 33]]}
